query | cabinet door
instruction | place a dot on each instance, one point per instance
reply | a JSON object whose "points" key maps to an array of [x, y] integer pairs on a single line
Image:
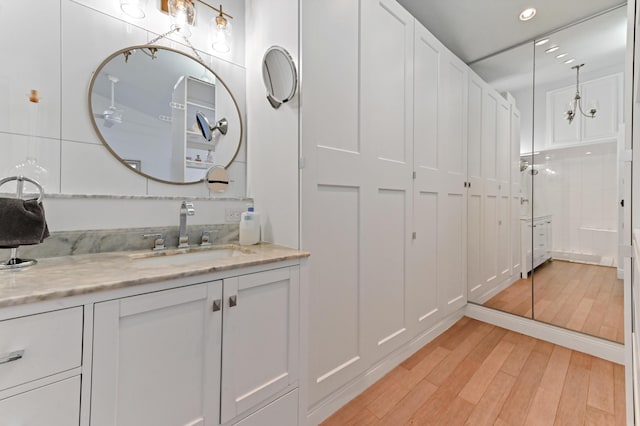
{"points": [[57, 404], [452, 203], [156, 359], [260, 338], [386, 102], [475, 192], [423, 306]]}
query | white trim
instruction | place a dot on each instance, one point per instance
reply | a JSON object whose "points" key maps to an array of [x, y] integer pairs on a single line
{"points": [[497, 289], [594, 346], [340, 397]]}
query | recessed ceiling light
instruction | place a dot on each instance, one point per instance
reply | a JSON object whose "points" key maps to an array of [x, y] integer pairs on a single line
{"points": [[552, 49], [588, 153], [568, 61], [527, 14], [560, 56], [542, 41]]}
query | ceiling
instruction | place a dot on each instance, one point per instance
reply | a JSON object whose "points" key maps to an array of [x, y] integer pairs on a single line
{"points": [[599, 43], [475, 29]]}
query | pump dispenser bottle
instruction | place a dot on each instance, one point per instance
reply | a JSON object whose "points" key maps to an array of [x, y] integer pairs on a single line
{"points": [[249, 227]]}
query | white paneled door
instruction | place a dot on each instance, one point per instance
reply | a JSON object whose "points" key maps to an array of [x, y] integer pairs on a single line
{"points": [[389, 247], [334, 182], [386, 136]]}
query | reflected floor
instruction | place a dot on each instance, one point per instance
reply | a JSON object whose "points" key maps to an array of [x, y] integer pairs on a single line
{"points": [[577, 296]]}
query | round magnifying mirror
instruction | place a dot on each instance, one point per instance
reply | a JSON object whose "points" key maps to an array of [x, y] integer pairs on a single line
{"points": [[279, 75], [217, 179]]}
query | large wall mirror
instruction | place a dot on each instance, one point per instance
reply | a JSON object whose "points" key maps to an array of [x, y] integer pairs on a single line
{"points": [[567, 219], [143, 104]]}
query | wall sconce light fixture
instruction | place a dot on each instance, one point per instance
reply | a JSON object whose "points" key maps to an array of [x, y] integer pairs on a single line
{"points": [[134, 8], [183, 15], [222, 32]]}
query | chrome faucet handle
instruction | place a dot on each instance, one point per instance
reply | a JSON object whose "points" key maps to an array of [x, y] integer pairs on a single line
{"points": [[187, 208], [158, 243], [206, 238]]}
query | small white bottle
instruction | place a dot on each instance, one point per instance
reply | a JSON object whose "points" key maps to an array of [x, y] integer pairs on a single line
{"points": [[249, 227]]}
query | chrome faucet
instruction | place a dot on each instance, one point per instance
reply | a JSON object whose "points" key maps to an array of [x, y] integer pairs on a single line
{"points": [[186, 209]]}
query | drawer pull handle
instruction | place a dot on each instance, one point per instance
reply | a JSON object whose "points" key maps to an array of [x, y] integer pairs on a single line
{"points": [[217, 305], [233, 301], [12, 356]]}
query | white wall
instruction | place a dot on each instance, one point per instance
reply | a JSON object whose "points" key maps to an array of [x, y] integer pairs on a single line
{"points": [[273, 154], [580, 191], [56, 53]]}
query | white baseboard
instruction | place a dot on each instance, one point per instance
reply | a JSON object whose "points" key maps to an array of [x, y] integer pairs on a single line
{"points": [[323, 409], [600, 348], [497, 289]]}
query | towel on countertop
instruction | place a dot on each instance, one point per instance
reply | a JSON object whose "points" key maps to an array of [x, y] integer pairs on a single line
{"points": [[22, 222]]}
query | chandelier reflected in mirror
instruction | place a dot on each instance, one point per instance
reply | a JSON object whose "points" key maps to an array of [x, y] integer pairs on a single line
{"points": [[576, 103]]}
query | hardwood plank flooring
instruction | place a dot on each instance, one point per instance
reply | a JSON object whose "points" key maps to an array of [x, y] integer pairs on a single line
{"points": [[480, 374], [576, 296]]}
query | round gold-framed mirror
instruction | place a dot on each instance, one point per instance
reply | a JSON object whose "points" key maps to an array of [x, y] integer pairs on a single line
{"points": [[144, 102]]}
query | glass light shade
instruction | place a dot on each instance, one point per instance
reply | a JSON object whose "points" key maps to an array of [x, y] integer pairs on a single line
{"points": [[222, 35], [134, 8], [183, 15]]}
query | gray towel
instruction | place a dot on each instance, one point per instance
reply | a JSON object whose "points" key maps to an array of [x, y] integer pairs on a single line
{"points": [[22, 222]]}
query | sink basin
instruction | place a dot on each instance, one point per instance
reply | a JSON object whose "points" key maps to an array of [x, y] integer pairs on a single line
{"points": [[183, 257]]}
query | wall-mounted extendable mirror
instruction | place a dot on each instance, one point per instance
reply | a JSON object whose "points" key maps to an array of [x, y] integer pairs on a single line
{"points": [[151, 106], [279, 75]]}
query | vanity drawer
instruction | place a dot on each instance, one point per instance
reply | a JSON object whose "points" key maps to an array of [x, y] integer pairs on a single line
{"points": [[40, 345], [57, 404]]}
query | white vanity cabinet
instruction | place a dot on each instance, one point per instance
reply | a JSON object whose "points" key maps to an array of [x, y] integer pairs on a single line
{"points": [[40, 359], [259, 339], [199, 355], [536, 242], [156, 358], [57, 404]]}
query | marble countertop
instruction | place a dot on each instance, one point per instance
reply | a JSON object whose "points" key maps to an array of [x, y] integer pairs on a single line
{"points": [[65, 276]]}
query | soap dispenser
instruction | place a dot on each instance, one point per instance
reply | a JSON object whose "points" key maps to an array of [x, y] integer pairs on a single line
{"points": [[249, 227]]}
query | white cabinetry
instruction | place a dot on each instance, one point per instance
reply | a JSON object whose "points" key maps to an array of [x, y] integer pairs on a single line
{"points": [[386, 97], [536, 242], [198, 355], [389, 246], [260, 339], [606, 91], [493, 193], [57, 404], [156, 359], [35, 353]]}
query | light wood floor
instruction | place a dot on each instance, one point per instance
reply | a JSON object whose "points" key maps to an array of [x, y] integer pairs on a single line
{"points": [[577, 296], [479, 374]]}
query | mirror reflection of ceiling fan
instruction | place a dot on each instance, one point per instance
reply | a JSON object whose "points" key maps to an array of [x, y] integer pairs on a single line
{"points": [[111, 115]]}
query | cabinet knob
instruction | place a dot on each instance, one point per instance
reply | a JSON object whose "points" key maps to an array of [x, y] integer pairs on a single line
{"points": [[233, 301], [217, 305]]}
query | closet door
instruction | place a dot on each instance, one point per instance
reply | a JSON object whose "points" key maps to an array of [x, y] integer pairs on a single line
{"points": [[452, 173], [491, 193], [386, 141], [422, 297], [503, 146], [335, 179], [516, 191], [475, 213]]}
